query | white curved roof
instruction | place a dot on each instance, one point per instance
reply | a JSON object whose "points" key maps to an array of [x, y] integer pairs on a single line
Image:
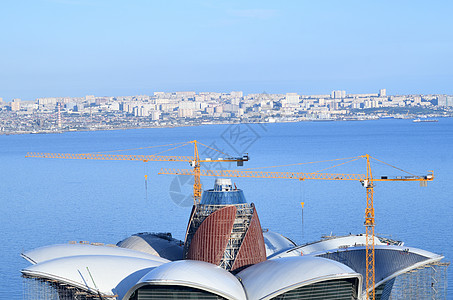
{"points": [[276, 242], [329, 244], [153, 244], [421, 252], [273, 277], [137, 243], [430, 258], [391, 260], [65, 250], [195, 274], [427, 254], [111, 274], [338, 242]]}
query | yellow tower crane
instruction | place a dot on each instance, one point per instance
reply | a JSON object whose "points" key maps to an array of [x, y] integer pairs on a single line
{"points": [[367, 181], [194, 161]]}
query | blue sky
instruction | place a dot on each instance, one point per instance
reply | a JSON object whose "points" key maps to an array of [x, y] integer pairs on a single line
{"points": [[79, 47]]}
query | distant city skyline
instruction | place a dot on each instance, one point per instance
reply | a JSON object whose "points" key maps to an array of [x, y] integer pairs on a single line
{"points": [[336, 94], [73, 48], [184, 108]]}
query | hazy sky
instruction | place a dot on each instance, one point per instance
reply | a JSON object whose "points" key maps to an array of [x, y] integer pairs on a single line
{"points": [[79, 47]]}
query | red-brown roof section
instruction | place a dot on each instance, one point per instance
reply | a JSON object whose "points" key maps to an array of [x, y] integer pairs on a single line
{"points": [[211, 238]]}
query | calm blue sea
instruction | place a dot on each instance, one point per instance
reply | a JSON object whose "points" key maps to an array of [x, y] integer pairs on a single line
{"points": [[47, 201]]}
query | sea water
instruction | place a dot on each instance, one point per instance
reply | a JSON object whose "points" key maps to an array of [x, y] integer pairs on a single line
{"points": [[49, 201]]}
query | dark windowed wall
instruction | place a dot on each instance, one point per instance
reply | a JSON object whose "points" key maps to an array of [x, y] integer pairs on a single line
{"points": [[150, 292], [339, 289]]}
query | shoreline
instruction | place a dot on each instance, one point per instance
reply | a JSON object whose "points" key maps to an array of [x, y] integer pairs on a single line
{"points": [[201, 124]]}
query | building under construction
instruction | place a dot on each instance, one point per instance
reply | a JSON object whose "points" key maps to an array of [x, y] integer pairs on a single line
{"points": [[227, 255], [224, 229]]}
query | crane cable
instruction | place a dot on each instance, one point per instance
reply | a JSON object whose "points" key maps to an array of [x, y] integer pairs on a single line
{"points": [[182, 144], [302, 203], [141, 148], [146, 181], [185, 144], [215, 149], [346, 162], [351, 159], [393, 166], [304, 163]]}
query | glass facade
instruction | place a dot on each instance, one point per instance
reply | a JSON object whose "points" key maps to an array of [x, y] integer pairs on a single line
{"points": [[213, 197], [339, 289], [154, 292], [388, 261]]}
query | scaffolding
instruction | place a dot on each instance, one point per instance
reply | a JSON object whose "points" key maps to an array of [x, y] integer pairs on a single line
{"points": [[426, 282], [199, 215], [244, 213], [37, 288]]}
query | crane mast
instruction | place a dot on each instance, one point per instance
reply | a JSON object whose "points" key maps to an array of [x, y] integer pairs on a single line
{"points": [[369, 228], [197, 188]]}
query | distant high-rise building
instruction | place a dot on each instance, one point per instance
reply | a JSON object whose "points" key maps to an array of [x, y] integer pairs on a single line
{"points": [[442, 100], [338, 94], [210, 110], [449, 101], [90, 98], [155, 115], [59, 115], [185, 94], [185, 113], [236, 94], [382, 92], [100, 101], [15, 105], [292, 98], [218, 109], [79, 107]]}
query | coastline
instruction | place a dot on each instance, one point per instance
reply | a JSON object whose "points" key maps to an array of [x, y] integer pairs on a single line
{"points": [[2, 133]]}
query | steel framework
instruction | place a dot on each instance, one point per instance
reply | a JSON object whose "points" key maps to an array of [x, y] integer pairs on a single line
{"points": [[37, 288], [425, 282]]}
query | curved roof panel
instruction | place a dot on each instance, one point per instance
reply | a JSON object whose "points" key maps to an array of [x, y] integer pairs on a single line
{"points": [[110, 274], [137, 243], [328, 244], [154, 244], [276, 243], [391, 261], [273, 277], [211, 238], [195, 274], [42, 254]]}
